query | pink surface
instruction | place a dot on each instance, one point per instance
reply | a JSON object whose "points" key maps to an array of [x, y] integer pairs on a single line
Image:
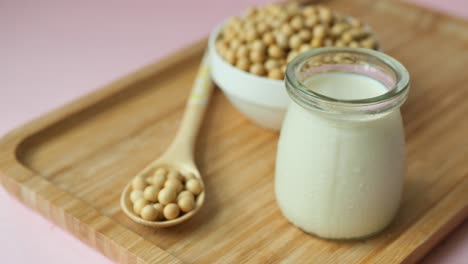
{"points": [[54, 51]]}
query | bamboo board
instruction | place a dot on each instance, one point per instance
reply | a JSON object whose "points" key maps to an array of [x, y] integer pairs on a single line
{"points": [[71, 164]]}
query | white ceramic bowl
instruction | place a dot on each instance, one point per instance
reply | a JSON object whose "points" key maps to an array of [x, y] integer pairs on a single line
{"points": [[262, 100]]}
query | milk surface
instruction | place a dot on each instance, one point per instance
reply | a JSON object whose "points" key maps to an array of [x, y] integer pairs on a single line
{"points": [[340, 178], [345, 86]]}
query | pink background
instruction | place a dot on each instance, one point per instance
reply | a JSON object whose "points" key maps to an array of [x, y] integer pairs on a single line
{"points": [[54, 51]]}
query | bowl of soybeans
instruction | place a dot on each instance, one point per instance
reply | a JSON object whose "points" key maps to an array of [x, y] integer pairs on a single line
{"points": [[249, 53], [164, 194]]}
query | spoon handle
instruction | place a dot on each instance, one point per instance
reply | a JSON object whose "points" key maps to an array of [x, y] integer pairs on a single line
{"points": [[182, 147]]}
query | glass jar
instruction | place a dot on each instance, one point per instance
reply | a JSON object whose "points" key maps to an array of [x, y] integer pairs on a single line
{"points": [[341, 153]]}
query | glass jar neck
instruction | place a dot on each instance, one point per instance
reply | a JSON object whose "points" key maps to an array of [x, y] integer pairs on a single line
{"points": [[373, 64]]}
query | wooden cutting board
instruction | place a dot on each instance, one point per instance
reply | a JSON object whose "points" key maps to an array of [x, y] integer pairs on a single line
{"points": [[71, 164]]}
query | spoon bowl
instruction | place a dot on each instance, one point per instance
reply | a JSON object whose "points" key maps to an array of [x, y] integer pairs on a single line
{"points": [[127, 206]]}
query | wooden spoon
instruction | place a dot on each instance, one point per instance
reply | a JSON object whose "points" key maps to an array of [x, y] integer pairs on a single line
{"points": [[180, 154]]}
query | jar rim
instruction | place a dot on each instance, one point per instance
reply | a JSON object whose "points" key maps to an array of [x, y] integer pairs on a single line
{"points": [[391, 99]]}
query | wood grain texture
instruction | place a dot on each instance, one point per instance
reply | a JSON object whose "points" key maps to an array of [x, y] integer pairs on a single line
{"points": [[71, 164]]}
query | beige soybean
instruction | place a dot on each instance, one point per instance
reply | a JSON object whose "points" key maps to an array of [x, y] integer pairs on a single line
{"points": [[171, 211], [139, 183], [276, 74], [262, 27], [173, 184], [268, 38], [185, 193], [258, 45], [230, 56], [287, 30], [234, 44], [297, 23], [138, 205], [186, 204], [353, 44], [304, 47], [295, 41], [158, 180], [149, 213], [151, 193], [281, 40], [338, 29], [319, 31], [194, 186], [305, 34], [243, 64], [275, 52], [369, 43], [311, 21], [249, 24], [271, 64], [309, 11], [257, 56], [251, 34], [257, 69], [357, 33], [229, 34], [135, 195], [325, 15], [276, 23], [347, 37], [317, 42], [166, 196]]}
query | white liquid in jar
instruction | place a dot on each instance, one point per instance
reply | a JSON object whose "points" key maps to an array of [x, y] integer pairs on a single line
{"points": [[345, 86], [337, 177]]}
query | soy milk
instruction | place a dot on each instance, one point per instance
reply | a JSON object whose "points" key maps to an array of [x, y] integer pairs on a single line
{"points": [[340, 177]]}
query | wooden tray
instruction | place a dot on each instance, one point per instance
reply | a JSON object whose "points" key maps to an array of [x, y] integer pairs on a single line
{"points": [[70, 165]]}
